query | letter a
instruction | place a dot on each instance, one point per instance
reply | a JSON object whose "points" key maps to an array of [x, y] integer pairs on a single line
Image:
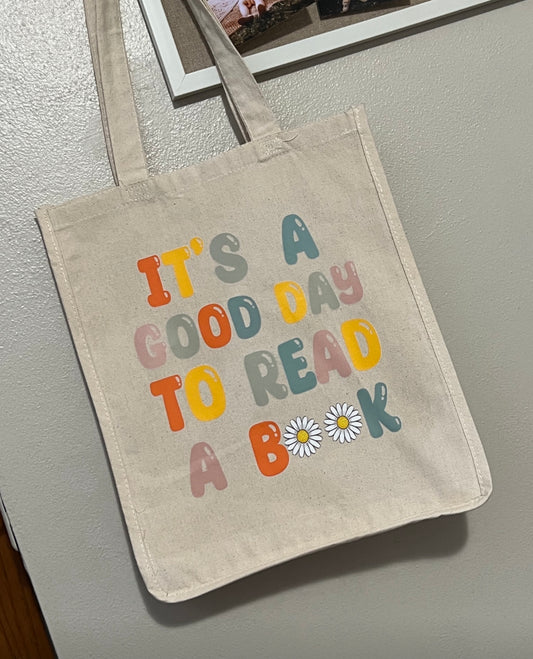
{"points": [[374, 411], [205, 468], [324, 344], [296, 238], [272, 457]]}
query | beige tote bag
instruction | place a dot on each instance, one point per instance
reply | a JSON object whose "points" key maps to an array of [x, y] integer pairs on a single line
{"points": [[264, 362]]}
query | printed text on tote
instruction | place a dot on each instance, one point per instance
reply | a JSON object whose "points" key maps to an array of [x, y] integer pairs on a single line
{"points": [[290, 368]]}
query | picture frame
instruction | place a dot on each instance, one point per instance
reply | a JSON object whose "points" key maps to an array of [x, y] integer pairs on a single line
{"points": [[182, 82]]}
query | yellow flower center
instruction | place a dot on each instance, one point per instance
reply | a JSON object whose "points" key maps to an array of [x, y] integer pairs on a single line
{"points": [[302, 436], [342, 422]]}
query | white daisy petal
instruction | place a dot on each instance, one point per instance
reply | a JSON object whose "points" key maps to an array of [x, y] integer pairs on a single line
{"points": [[342, 422], [303, 427]]}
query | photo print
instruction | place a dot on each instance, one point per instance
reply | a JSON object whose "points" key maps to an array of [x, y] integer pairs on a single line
{"points": [[329, 8], [245, 19]]}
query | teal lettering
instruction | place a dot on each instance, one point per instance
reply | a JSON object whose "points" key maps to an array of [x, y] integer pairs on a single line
{"points": [[293, 365], [236, 306], [374, 411], [296, 238]]}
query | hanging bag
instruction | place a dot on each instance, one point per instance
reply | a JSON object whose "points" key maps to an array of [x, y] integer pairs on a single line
{"points": [[265, 365]]}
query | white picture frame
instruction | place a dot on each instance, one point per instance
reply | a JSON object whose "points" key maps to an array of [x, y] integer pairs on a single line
{"points": [[181, 83]]}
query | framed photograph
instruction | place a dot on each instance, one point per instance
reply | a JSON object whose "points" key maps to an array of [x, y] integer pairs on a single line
{"points": [[188, 67]]}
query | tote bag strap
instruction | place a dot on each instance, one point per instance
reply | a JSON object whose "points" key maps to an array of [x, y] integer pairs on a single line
{"points": [[119, 117], [246, 100]]}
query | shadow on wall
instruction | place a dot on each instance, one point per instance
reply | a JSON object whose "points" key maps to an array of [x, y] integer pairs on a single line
{"points": [[424, 540]]}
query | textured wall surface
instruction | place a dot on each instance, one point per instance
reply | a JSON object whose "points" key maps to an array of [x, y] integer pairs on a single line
{"points": [[450, 108]]}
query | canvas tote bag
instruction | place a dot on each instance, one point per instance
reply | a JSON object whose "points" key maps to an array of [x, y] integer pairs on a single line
{"points": [[266, 368]]}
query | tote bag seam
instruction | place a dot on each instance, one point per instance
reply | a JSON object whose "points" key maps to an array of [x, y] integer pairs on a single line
{"points": [[420, 303], [172, 195], [103, 401], [306, 548]]}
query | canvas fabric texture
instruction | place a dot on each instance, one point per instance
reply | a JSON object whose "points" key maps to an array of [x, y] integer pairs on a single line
{"points": [[267, 371]]}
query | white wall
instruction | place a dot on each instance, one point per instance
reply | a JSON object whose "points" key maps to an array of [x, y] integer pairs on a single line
{"points": [[451, 109]]}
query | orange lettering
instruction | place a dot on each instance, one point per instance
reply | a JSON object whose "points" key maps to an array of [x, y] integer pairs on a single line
{"points": [[167, 388], [272, 457]]}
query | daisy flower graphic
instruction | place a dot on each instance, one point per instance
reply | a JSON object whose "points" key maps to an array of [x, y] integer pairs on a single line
{"points": [[302, 436], [343, 422]]}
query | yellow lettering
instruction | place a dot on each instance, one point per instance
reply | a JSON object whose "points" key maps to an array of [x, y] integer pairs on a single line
{"points": [[193, 381], [283, 291], [350, 331]]}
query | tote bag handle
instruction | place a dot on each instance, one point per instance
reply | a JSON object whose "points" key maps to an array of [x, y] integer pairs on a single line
{"points": [[119, 117]]}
